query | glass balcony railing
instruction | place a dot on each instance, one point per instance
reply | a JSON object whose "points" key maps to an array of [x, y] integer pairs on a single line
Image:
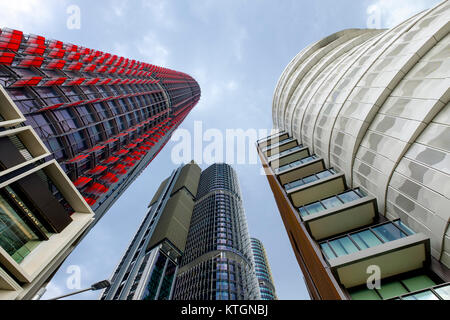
{"points": [[277, 144], [295, 164], [281, 154], [416, 286], [331, 202], [309, 179], [441, 292], [367, 238]]}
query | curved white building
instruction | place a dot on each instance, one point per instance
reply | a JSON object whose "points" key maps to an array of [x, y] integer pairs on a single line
{"points": [[374, 104]]}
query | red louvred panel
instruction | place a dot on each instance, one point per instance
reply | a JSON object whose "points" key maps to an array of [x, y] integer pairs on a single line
{"points": [[109, 178], [56, 64], [55, 81], [35, 49], [111, 160], [10, 39], [82, 181], [90, 201], [92, 81], [76, 81], [90, 68], [121, 152], [57, 53], [110, 140], [54, 106], [74, 56], [54, 44], [27, 81], [7, 58], [31, 61], [74, 66], [97, 170], [96, 188], [78, 158]]}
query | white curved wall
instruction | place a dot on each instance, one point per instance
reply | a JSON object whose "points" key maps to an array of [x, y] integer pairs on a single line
{"points": [[374, 105]]}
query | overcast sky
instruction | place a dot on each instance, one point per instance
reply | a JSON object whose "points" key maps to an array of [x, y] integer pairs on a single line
{"points": [[236, 50]]}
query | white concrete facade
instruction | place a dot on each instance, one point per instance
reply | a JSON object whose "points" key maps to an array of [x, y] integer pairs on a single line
{"points": [[375, 105]]}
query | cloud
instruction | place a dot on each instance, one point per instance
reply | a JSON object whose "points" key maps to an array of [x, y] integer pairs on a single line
{"points": [[160, 12], [25, 15], [153, 50], [149, 49], [393, 13], [52, 291]]}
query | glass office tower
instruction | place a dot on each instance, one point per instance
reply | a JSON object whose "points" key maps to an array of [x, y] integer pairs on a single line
{"points": [[262, 269], [218, 262], [103, 117], [77, 126], [147, 270], [200, 241], [359, 166]]}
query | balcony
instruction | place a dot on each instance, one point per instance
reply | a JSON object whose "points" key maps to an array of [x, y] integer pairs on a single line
{"points": [[337, 214], [279, 147], [416, 285], [440, 292], [288, 156], [299, 169], [315, 187], [263, 143], [391, 246]]}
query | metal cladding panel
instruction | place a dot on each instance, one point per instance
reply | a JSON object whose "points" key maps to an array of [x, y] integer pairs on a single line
{"points": [[189, 178], [175, 220]]}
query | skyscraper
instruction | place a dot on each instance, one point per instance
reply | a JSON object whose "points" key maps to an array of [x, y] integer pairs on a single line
{"points": [[218, 262], [262, 269], [147, 270], [103, 117], [359, 167], [77, 127]]}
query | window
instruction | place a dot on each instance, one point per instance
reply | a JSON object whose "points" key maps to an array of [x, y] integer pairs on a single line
{"points": [[402, 287], [367, 238]]}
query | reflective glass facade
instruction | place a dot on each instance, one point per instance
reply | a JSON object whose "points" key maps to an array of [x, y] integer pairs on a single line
{"points": [[263, 273], [218, 261]]}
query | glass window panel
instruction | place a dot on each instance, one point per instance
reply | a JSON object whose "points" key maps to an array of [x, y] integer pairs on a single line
{"points": [[418, 283], [310, 179], [303, 212], [391, 290], [444, 292], [388, 232], [404, 227], [426, 295], [324, 174], [343, 246], [364, 294], [314, 207], [327, 250], [331, 202], [349, 196], [366, 239]]}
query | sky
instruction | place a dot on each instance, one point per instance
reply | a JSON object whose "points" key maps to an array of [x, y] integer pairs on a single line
{"points": [[236, 50]]}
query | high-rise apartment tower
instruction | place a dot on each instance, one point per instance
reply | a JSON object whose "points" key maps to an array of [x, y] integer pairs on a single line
{"points": [[359, 166]]}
